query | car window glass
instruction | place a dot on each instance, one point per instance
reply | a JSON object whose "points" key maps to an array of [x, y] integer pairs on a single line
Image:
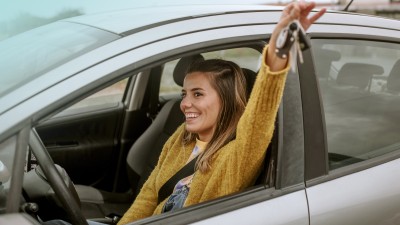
{"points": [[245, 57], [111, 94], [33, 53], [360, 88]]}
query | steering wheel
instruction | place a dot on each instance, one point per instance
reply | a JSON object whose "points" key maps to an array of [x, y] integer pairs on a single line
{"points": [[58, 179]]}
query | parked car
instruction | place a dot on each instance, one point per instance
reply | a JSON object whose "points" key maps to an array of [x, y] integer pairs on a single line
{"points": [[96, 95]]}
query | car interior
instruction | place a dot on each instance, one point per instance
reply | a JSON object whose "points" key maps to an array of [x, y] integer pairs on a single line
{"points": [[364, 91], [99, 183]]}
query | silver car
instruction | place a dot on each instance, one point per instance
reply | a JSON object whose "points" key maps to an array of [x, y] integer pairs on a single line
{"points": [[86, 104]]}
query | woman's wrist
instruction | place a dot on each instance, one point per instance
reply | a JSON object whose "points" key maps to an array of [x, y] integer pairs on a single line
{"points": [[272, 60]]}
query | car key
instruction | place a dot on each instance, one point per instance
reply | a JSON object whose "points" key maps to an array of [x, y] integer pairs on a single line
{"points": [[285, 40], [292, 39]]}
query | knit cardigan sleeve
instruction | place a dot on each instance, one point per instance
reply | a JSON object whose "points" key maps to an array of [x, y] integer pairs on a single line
{"points": [[256, 126]]}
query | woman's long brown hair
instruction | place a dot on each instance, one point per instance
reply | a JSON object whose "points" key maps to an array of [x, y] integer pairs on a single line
{"points": [[228, 80]]}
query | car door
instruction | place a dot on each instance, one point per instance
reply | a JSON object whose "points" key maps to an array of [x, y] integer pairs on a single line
{"points": [[353, 170]]}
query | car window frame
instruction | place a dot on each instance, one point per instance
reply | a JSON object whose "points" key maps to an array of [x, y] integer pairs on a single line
{"points": [[19, 141], [290, 179]]}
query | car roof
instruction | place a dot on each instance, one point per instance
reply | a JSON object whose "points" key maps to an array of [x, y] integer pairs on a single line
{"points": [[128, 21], [143, 18]]}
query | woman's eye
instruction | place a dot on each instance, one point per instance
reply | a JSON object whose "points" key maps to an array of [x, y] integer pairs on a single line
{"points": [[183, 95], [197, 94]]}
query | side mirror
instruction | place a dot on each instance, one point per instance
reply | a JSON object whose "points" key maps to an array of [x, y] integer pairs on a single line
{"points": [[4, 173]]}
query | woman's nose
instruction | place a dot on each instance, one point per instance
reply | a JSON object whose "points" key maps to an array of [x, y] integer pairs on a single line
{"points": [[186, 103]]}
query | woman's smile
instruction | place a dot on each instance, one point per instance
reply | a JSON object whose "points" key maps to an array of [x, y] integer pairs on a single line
{"points": [[191, 116]]}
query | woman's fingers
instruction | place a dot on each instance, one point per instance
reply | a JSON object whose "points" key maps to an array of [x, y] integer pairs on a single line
{"points": [[290, 12], [308, 21], [317, 15], [299, 11], [305, 9]]}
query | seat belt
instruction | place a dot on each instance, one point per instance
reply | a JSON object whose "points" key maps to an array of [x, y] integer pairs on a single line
{"points": [[168, 187]]}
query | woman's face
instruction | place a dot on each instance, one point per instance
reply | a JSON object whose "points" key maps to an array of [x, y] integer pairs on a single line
{"points": [[200, 104]]}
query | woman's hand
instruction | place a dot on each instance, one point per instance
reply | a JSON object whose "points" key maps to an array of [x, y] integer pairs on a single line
{"points": [[294, 11]]}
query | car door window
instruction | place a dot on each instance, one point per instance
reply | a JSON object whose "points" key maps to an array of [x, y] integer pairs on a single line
{"points": [[360, 88], [245, 57], [111, 94]]}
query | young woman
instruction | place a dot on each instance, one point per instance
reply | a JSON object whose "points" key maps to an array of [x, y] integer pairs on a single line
{"points": [[228, 135]]}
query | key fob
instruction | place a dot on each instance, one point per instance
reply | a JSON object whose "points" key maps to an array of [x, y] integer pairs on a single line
{"points": [[285, 40], [304, 42]]}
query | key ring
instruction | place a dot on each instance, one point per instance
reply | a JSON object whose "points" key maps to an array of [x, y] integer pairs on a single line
{"points": [[292, 39]]}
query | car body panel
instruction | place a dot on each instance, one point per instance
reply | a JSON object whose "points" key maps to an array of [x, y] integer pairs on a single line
{"points": [[293, 206], [357, 20], [367, 197], [160, 15], [345, 30]]}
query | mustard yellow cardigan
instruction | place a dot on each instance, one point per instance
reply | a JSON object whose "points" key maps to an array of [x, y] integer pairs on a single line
{"points": [[234, 167]]}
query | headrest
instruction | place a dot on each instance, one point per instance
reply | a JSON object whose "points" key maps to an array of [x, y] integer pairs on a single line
{"points": [[182, 67], [250, 79], [327, 54], [324, 59], [358, 74]]}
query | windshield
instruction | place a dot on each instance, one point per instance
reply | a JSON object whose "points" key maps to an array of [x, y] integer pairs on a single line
{"points": [[29, 55]]}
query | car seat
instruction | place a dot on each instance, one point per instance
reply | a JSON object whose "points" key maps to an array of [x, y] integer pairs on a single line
{"points": [[358, 74], [144, 153], [324, 59], [393, 80]]}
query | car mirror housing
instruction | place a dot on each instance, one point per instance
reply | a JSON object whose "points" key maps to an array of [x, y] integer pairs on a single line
{"points": [[4, 173]]}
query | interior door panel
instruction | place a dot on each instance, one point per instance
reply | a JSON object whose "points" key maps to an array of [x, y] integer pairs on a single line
{"points": [[85, 143]]}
